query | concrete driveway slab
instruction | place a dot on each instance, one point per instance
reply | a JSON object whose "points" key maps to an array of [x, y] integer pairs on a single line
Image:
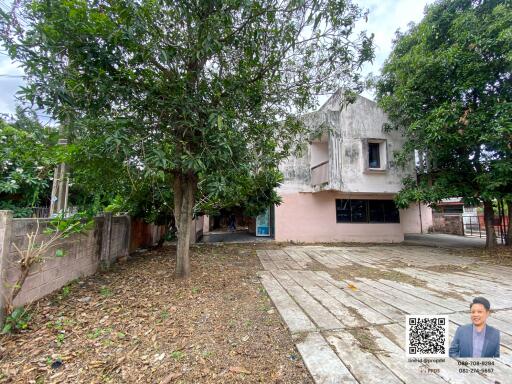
{"points": [[346, 308]]}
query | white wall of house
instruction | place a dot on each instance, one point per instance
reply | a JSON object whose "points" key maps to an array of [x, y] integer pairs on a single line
{"points": [[309, 193], [353, 126], [319, 152]]}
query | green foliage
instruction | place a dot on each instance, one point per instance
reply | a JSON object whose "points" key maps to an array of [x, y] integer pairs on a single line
{"points": [[17, 212], [207, 90], [66, 290], [178, 355], [17, 320], [105, 292], [59, 339], [447, 86], [66, 226], [98, 332], [164, 315], [27, 159]]}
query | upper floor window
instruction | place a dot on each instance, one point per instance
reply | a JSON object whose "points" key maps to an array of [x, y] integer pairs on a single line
{"points": [[375, 155]]}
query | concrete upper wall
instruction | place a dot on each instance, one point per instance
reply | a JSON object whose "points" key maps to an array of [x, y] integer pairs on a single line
{"points": [[319, 153], [349, 127], [296, 172]]}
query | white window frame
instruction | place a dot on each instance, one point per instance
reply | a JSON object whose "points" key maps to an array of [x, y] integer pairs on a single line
{"points": [[383, 153]]}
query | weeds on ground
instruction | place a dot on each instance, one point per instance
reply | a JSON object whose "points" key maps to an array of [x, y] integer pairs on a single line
{"points": [[105, 292], [178, 355], [17, 320]]}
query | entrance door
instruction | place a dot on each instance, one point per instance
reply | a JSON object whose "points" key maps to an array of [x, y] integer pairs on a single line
{"points": [[263, 223]]}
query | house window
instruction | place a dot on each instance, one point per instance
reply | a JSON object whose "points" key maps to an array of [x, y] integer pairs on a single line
{"points": [[373, 155], [366, 211]]}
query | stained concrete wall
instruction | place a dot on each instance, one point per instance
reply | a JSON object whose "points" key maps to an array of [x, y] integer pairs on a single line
{"points": [[196, 229], [319, 153], [347, 127], [344, 130], [144, 235], [446, 223], [296, 172], [359, 122], [5, 238]]}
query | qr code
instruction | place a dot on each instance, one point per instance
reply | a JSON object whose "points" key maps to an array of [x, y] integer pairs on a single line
{"points": [[426, 336]]}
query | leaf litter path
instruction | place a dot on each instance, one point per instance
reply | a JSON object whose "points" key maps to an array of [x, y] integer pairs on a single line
{"points": [[137, 324], [345, 308]]}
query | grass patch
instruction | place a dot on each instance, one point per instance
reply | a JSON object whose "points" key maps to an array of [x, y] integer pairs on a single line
{"points": [[105, 291]]}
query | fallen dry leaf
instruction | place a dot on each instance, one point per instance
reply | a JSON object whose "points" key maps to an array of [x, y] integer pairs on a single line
{"points": [[171, 377], [352, 286], [137, 336], [239, 370]]}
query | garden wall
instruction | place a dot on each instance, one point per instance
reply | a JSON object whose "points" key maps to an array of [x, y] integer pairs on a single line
{"points": [[445, 223], [108, 240]]}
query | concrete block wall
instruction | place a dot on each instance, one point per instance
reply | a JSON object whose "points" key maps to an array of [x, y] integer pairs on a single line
{"points": [[83, 254], [5, 236], [451, 224], [120, 237], [80, 259]]}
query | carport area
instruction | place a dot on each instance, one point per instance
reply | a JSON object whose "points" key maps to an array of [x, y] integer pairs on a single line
{"points": [[234, 226], [345, 308]]}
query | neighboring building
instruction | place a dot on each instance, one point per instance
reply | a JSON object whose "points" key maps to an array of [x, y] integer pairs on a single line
{"points": [[452, 206], [342, 187]]}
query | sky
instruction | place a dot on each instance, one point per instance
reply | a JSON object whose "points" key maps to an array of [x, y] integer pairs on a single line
{"points": [[385, 17]]}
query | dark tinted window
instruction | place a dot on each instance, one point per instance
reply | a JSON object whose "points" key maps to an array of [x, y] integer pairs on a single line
{"points": [[343, 211], [377, 211], [366, 211], [373, 155], [391, 213], [358, 210], [453, 209]]}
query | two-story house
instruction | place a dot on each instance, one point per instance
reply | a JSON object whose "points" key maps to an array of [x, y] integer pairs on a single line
{"points": [[342, 186]]}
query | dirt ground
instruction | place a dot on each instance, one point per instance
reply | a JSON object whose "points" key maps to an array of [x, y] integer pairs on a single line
{"points": [[137, 324]]}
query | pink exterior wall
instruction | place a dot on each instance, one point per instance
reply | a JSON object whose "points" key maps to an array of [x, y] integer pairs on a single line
{"points": [[410, 219], [311, 217]]}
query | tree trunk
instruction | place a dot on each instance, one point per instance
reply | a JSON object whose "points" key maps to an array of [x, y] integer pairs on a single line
{"points": [[184, 188], [490, 240], [508, 237]]}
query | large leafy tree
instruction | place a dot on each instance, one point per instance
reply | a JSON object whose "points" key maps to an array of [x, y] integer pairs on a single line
{"points": [[27, 158], [447, 86], [202, 92]]}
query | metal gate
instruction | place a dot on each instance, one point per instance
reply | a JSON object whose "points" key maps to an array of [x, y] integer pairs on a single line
{"points": [[474, 226]]}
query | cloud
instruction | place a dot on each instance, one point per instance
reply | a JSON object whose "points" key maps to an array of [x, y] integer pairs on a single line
{"points": [[384, 18], [9, 85]]}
